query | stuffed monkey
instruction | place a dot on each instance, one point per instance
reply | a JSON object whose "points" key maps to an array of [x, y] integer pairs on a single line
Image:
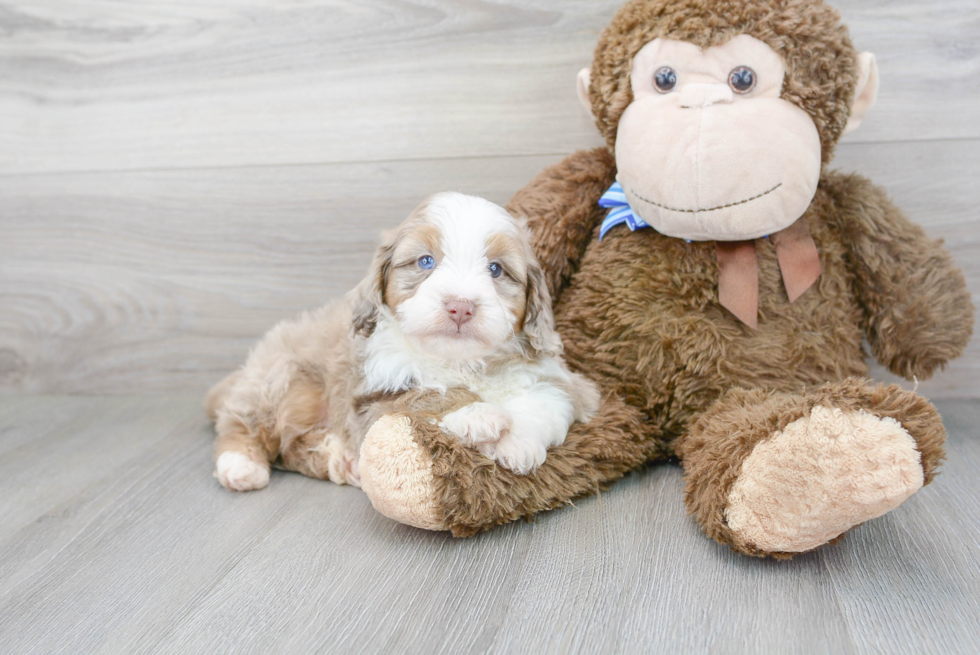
{"points": [[715, 279]]}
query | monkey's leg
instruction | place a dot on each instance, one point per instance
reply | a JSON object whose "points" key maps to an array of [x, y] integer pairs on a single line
{"points": [[773, 473], [416, 474]]}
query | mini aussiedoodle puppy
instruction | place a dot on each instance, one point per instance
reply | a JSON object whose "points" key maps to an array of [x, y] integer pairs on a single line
{"points": [[455, 303]]}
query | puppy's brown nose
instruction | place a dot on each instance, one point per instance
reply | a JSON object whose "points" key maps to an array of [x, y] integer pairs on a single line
{"points": [[460, 310]]}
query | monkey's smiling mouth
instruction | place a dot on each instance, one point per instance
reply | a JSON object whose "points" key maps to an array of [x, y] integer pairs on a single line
{"points": [[698, 211]]}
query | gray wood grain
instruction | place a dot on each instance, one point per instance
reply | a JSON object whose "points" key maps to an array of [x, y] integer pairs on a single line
{"points": [[51, 453], [162, 280], [150, 554], [117, 85]]}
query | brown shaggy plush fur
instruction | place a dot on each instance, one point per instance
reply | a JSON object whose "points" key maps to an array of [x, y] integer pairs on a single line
{"points": [[562, 211], [475, 493], [639, 312]]}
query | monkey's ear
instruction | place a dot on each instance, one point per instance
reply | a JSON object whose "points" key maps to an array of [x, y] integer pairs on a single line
{"points": [[539, 321], [582, 86], [367, 297], [866, 92]]}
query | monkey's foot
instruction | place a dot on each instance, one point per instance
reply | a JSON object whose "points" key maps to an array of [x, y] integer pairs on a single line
{"points": [[396, 474], [772, 473], [820, 476]]}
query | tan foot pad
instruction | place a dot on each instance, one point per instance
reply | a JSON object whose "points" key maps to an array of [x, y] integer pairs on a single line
{"points": [[820, 476], [396, 474]]}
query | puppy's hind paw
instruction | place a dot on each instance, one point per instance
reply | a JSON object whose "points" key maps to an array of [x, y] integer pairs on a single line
{"points": [[237, 472], [477, 423], [352, 468]]}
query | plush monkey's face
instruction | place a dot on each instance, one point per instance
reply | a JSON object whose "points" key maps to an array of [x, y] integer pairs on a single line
{"points": [[708, 150], [722, 117]]}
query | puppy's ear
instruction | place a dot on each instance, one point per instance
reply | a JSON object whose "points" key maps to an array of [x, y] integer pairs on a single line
{"points": [[539, 321], [368, 297]]}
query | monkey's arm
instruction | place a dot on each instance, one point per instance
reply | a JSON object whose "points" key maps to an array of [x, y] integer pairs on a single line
{"points": [[561, 206], [917, 310]]}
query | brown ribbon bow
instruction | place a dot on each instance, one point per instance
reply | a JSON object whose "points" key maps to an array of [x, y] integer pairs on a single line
{"points": [[738, 270]]}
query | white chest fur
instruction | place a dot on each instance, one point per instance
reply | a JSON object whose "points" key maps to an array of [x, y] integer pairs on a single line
{"points": [[392, 363]]}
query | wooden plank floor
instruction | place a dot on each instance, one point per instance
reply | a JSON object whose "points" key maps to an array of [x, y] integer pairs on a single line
{"points": [[115, 538]]}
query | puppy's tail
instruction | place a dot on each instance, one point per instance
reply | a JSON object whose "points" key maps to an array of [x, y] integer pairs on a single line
{"points": [[216, 397]]}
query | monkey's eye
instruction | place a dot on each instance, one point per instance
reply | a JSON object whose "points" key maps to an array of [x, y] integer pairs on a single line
{"points": [[665, 79], [742, 79], [426, 262], [495, 269]]}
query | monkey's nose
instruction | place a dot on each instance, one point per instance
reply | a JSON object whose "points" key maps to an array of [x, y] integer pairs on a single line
{"points": [[460, 310], [695, 96]]}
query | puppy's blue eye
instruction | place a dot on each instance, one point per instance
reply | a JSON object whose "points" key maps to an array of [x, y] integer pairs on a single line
{"points": [[495, 269], [426, 262]]}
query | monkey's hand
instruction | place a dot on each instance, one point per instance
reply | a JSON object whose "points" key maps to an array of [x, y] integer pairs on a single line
{"points": [[562, 209], [917, 310]]}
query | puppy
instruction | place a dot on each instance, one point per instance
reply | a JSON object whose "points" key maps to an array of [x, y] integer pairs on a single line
{"points": [[455, 302]]}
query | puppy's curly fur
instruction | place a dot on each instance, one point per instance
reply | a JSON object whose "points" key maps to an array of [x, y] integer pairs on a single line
{"points": [[454, 306]]}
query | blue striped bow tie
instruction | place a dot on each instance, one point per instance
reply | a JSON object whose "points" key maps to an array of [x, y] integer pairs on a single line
{"points": [[615, 200]]}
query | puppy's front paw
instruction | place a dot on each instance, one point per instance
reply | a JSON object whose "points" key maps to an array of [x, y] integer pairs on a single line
{"points": [[520, 456], [237, 472], [477, 423]]}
